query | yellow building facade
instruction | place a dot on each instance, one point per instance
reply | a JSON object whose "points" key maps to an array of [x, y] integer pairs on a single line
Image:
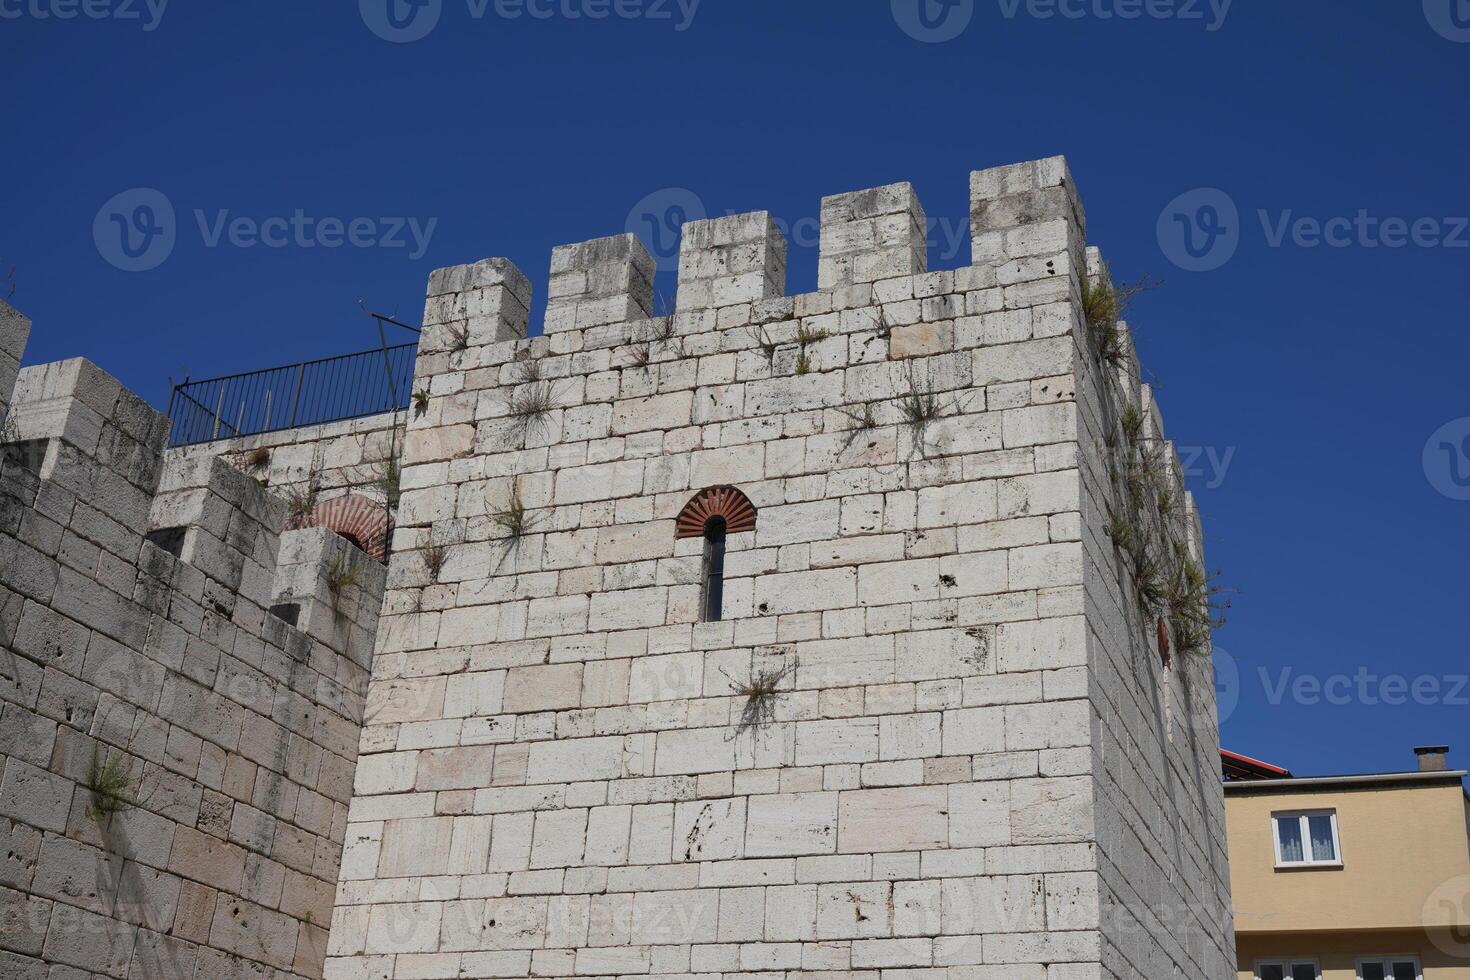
{"points": [[1350, 877]]}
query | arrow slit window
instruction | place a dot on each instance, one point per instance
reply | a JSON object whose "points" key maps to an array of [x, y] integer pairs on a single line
{"points": [[714, 515], [714, 569]]}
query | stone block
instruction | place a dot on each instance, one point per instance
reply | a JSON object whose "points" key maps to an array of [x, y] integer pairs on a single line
{"points": [[908, 818], [791, 824], [604, 281], [739, 258], [871, 235]]}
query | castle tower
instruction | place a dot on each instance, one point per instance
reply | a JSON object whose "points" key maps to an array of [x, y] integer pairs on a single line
{"points": [[791, 633]]}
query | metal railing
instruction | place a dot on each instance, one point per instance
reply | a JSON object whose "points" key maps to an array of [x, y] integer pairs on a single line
{"points": [[330, 389]]}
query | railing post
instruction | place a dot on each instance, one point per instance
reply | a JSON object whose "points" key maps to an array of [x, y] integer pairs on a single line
{"points": [[296, 398], [219, 404]]}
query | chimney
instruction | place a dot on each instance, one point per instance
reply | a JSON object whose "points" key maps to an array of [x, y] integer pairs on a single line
{"points": [[1432, 757]]}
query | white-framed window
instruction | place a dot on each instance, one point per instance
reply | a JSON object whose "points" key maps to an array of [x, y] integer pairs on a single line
{"points": [[1292, 969], [1306, 838], [1389, 968]]}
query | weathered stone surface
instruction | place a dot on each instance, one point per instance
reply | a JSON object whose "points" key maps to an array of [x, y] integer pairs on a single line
{"points": [[911, 739]]}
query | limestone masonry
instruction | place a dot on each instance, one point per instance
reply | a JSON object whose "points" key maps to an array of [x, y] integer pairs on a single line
{"points": [[784, 635]]}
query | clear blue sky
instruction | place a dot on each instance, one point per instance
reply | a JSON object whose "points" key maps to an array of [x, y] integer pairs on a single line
{"points": [[1319, 372]]}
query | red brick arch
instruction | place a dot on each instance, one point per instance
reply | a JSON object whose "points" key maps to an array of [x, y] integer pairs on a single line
{"points": [[726, 502], [357, 518]]}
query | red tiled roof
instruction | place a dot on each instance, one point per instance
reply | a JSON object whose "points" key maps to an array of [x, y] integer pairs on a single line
{"points": [[1235, 767]]}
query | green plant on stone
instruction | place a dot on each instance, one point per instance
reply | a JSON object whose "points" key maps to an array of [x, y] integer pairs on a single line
{"points": [[109, 779], [341, 576], [1170, 587], [662, 329], [760, 693], [457, 336], [1120, 531], [864, 418], [436, 553], [420, 402], [806, 335], [1148, 575], [1104, 305], [301, 503], [1194, 604], [515, 523], [763, 342], [512, 518], [388, 480], [919, 407], [530, 369], [1130, 422], [530, 410]]}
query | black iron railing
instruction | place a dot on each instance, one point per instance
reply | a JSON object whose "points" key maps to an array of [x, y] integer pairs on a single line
{"points": [[330, 389]]}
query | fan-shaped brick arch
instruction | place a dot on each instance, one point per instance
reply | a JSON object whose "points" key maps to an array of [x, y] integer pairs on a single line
{"points": [[355, 517], [726, 502]]}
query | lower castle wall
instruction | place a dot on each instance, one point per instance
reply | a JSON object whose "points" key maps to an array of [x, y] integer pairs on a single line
{"points": [[130, 671]]}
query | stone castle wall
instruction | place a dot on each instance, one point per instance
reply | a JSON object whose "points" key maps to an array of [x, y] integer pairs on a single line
{"points": [[976, 763], [520, 751], [177, 759]]}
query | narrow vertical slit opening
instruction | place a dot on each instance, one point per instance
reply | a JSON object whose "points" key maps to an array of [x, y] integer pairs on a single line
{"points": [[714, 569]]}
